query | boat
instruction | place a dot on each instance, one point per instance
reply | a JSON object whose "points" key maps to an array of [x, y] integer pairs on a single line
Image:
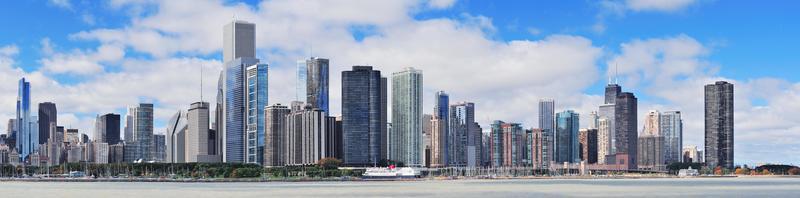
{"points": [[391, 173]]}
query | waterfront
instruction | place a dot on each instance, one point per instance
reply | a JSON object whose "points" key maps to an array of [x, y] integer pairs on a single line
{"points": [[668, 187]]}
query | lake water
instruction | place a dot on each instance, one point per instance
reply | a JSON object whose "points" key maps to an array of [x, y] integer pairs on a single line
{"points": [[695, 187]]}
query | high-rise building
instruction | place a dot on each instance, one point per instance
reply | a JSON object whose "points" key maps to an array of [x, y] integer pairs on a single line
{"points": [[427, 119], [496, 144], [587, 139], [477, 141], [513, 144], [672, 130], [538, 149], [463, 141], [47, 116], [362, 114], [626, 123], [256, 97], [301, 85], [440, 135], [199, 143], [719, 124], [651, 124], [593, 120], [107, 128], [27, 138], [219, 119], [128, 130], [239, 40], [603, 140], [317, 83], [384, 119], [305, 136], [101, 151], [274, 134], [405, 144], [690, 154], [612, 91], [142, 128], [567, 124], [176, 138], [547, 124], [651, 153], [159, 148]]}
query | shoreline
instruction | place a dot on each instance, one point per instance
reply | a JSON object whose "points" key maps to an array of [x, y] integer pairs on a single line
{"points": [[302, 180]]}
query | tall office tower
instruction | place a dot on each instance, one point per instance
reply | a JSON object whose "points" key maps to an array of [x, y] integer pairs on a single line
{"points": [[513, 144], [603, 140], [329, 144], [107, 128], [547, 124], [607, 110], [474, 157], [338, 138], [651, 124], [462, 132], [567, 124], [256, 97], [142, 127], [274, 134], [362, 116], [176, 138], [384, 119], [245, 95], [440, 133], [671, 127], [317, 83], [198, 141], [239, 40], [27, 137], [626, 123], [593, 120], [612, 91], [539, 151], [486, 157], [719, 124], [159, 148], [587, 141], [301, 85], [128, 126], [305, 136], [426, 138], [651, 153], [219, 119], [47, 116], [407, 117]]}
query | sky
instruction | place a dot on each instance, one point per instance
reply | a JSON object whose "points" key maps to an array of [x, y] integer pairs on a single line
{"points": [[97, 57]]}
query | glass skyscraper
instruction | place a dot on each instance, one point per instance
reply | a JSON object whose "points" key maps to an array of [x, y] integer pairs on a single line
{"points": [[361, 116], [27, 138], [547, 124], [47, 116], [671, 126], [256, 98], [463, 133], [301, 84], [142, 122], [317, 83], [626, 135], [440, 137], [406, 138], [567, 124]]}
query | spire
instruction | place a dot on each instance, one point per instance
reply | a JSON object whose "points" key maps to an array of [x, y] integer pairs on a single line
{"points": [[201, 83], [616, 73]]}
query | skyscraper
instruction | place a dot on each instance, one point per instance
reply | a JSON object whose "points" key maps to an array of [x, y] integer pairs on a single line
{"points": [[672, 130], [199, 143], [142, 119], [107, 128], [158, 148], [567, 124], [650, 152], [440, 135], [406, 140], [651, 124], [176, 138], [463, 138], [301, 85], [274, 134], [719, 124], [603, 140], [626, 122], [47, 116], [496, 144], [27, 138], [239, 40], [547, 124], [587, 139], [513, 144], [362, 116], [538, 149], [317, 83], [305, 136], [256, 97]]}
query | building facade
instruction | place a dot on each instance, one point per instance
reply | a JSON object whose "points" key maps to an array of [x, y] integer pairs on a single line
{"points": [[275, 133], [48, 115], [719, 124], [176, 138], [362, 114], [671, 126], [440, 133], [567, 126], [317, 83], [547, 124], [405, 143], [626, 136], [587, 140]]}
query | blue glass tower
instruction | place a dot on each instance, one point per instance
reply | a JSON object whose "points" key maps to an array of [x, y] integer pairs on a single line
{"points": [[317, 83], [234, 108], [567, 124], [27, 139], [256, 102]]}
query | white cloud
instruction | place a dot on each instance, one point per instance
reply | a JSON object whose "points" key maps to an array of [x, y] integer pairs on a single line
{"points": [[80, 62], [441, 4], [61, 3], [658, 5]]}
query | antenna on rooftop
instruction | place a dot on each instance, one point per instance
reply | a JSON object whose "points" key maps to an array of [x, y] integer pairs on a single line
{"points": [[616, 73], [201, 83]]}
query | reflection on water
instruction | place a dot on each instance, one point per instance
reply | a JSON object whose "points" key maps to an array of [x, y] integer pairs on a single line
{"points": [[705, 187]]}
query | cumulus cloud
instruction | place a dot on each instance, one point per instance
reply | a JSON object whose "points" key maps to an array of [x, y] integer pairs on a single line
{"points": [[79, 62], [658, 5], [61, 4]]}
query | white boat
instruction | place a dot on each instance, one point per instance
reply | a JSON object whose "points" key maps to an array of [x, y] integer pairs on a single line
{"points": [[388, 173]]}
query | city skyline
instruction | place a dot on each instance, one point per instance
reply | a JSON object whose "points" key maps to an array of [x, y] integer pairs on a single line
{"points": [[55, 65]]}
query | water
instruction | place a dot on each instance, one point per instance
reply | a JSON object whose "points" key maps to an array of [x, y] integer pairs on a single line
{"points": [[696, 187]]}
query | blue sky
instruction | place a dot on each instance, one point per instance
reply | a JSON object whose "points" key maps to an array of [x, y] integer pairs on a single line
{"points": [[87, 56]]}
